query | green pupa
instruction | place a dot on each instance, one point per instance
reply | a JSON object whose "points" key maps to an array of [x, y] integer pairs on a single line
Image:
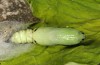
{"points": [[48, 36]]}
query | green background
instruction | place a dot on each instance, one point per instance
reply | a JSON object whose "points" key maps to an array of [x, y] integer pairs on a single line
{"points": [[83, 15]]}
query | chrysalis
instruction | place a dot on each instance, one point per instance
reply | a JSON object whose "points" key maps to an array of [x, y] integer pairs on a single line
{"points": [[49, 36]]}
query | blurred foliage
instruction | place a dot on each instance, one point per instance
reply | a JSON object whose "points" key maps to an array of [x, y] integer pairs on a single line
{"points": [[83, 15]]}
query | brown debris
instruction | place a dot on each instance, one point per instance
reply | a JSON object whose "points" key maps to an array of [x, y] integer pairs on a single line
{"points": [[15, 10]]}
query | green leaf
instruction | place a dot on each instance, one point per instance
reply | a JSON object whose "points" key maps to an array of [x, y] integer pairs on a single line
{"points": [[83, 15]]}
